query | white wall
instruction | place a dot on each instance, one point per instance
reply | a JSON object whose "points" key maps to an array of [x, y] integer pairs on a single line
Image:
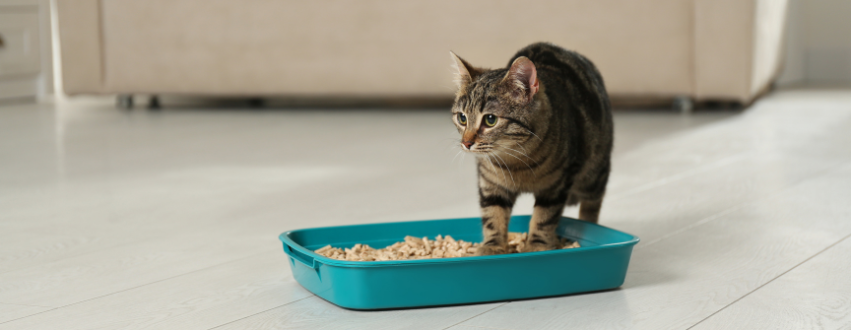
{"points": [[818, 43]]}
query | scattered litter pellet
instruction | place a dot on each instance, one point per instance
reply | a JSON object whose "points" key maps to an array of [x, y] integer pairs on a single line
{"points": [[424, 248]]}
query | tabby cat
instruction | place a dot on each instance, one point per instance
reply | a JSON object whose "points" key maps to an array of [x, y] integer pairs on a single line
{"points": [[543, 125]]}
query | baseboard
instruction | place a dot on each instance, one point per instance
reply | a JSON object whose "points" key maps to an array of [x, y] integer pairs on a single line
{"points": [[15, 88]]}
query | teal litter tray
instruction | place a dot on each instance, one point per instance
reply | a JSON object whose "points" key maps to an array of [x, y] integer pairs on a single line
{"points": [[600, 264]]}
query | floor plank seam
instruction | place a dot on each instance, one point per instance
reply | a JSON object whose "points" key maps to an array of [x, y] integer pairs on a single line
{"points": [[771, 280], [261, 312], [481, 327], [122, 244], [742, 205], [474, 316], [696, 224], [30, 305], [135, 287], [676, 177]]}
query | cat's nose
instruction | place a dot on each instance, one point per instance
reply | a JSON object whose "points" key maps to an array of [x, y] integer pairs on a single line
{"points": [[467, 144]]}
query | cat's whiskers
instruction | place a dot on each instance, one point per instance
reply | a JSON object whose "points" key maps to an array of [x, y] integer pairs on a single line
{"points": [[521, 147], [507, 168], [524, 154], [494, 167], [533, 133], [527, 164], [456, 156], [454, 143]]}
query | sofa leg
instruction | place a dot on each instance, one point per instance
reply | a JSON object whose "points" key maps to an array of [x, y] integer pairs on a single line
{"points": [[256, 102], [683, 104], [124, 101], [154, 103]]}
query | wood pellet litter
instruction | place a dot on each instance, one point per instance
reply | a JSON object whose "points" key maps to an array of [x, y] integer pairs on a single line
{"points": [[424, 248]]}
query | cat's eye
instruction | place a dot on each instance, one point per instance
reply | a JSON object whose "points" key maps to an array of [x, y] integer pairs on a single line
{"points": [[490, 120], [462, 119]]}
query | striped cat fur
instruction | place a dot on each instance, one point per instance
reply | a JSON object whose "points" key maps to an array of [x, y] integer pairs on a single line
{"points": [[543, 125]]}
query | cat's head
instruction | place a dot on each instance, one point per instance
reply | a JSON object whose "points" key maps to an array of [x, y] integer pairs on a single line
{"points": [[494, 110]]}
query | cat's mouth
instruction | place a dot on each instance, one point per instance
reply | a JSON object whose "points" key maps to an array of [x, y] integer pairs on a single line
{"points": [[478, 148]]}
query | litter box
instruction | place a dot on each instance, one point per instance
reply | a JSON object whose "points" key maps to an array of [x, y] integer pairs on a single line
{"points": [[599, 264]]}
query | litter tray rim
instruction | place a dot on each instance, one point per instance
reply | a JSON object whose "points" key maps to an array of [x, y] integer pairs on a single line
{"points": [[317, 258]]}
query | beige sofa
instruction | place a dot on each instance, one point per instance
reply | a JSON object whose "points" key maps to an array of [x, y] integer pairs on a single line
{"points": [[700, 49]]}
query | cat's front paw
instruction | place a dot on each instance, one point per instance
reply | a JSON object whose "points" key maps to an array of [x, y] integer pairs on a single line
{"points": [[536, 247], [489, 250]]}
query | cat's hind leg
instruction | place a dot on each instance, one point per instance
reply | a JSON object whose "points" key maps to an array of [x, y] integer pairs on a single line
{"points": [[589, 210], [589, 189]]}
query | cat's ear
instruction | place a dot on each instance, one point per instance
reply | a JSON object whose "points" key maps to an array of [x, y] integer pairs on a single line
{"points": [[523, 77], [465, 73]]}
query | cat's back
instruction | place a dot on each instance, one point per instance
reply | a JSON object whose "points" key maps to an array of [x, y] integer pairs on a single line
{"points": [[569, 77], [549, 57]]}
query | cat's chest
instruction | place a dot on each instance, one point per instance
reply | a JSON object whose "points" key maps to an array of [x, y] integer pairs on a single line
{"points": [[517, 178]]}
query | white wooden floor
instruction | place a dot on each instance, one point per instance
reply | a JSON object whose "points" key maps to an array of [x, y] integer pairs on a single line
{"points": [[115, 220]]}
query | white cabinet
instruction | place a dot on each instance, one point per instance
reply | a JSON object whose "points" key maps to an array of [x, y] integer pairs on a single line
{"points": [[22, 25]]}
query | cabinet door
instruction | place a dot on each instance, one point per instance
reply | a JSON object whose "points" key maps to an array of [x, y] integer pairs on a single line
{"points": [[19, 52]]}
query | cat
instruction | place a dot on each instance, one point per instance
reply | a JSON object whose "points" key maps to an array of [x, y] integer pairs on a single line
{"points": [[543, 125]]}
